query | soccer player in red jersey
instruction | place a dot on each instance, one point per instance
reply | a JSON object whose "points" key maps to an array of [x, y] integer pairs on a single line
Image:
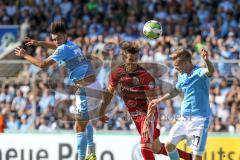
{"points": [[136, 87]]}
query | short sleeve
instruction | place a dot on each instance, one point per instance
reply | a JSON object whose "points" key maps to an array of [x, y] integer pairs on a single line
{"points": [[178, 86], [202, 72], [178, 83], [58, 55]]}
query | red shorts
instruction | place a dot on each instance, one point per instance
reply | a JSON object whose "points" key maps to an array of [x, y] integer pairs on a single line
{"points": [[154, 131]]}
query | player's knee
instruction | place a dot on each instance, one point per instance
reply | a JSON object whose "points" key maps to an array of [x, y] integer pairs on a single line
{"points": [[146, 145], [197, 157], [80, 126], [169, 146], [157, 147]]}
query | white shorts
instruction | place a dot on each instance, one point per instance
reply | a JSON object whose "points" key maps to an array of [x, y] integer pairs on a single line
{"points": [[195, 130]]}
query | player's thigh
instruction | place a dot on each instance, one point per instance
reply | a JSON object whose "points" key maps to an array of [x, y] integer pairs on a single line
{"points": [[146, 145], [197, 135], [80, 126], [177, 133]]}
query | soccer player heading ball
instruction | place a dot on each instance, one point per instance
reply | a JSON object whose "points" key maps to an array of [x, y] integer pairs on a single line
{"points": [[136, 87], [196, 114], [80, 72]]}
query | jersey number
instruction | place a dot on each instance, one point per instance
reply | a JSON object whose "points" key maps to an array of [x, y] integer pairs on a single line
{"points": [[196, 140], [78, 51]]}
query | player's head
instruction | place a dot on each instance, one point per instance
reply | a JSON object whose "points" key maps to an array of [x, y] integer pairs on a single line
{"points": [[182, 59], [130, 52], [59, 33]]}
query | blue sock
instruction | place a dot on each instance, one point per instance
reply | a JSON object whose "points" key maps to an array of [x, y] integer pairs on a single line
{"points": [[81, 145], [90, 142], [173, 155]]}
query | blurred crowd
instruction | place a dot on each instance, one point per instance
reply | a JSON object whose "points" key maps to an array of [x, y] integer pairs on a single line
{"points": [[98, 26]]}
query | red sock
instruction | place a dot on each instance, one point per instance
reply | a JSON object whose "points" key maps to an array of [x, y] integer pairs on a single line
{"points": [[147, 153], [184, 155]]}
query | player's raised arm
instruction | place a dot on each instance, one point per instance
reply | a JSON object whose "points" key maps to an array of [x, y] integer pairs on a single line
{"points": [[210, 68], [107, 97], [32, 42], [42, 64]]}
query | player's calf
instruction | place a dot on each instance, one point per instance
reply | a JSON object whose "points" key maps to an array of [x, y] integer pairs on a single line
{"points": [[170, 147], [175, 153], [159, 148], [172, 151]]}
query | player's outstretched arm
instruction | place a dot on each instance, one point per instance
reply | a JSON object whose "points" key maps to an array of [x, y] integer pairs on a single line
{"points": [[151, 110], [32, 42], [210, 68], [107, 97], [42, 64], [152, 105]]}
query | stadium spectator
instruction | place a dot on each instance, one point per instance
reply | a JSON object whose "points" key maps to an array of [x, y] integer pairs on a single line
{"points": [[192, 24]]}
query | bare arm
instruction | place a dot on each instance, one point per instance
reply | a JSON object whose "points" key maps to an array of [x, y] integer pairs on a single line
{"points": [[170, 95], [152, 109], [152, 105], [47, 44], [44, 44], [151, 95], [210, 68], [42, 64], [107, 97]]}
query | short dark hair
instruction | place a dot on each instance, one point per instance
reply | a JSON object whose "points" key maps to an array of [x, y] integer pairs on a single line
{"points": [[182, 54], [129, 47], [58, 27]]}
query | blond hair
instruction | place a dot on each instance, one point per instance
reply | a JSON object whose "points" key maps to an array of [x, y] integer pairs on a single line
{"points": [[181, 54]]}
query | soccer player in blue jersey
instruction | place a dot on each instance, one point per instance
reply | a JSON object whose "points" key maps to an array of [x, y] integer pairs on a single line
{"points": [[196, 114], [80, 72]]}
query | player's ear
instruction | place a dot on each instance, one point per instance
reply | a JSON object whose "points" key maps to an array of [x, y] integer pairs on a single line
{"points": [[65, 35]]}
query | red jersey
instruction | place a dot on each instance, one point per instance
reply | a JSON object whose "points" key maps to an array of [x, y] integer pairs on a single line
{"points": [[132, 87]]}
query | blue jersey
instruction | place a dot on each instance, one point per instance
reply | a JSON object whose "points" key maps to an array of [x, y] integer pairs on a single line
{"points": [[195, 88], [70, 55]]}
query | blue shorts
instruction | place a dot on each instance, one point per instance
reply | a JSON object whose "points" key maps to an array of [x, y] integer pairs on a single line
{"points": [[79, 68]]}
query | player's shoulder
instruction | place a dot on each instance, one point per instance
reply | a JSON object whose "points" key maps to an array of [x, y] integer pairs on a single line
{"points": [[119, 69], [61, 47], [141, 69], [181, 77], [71, 43], [144, 72], [199, 71], [67, 45]]}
